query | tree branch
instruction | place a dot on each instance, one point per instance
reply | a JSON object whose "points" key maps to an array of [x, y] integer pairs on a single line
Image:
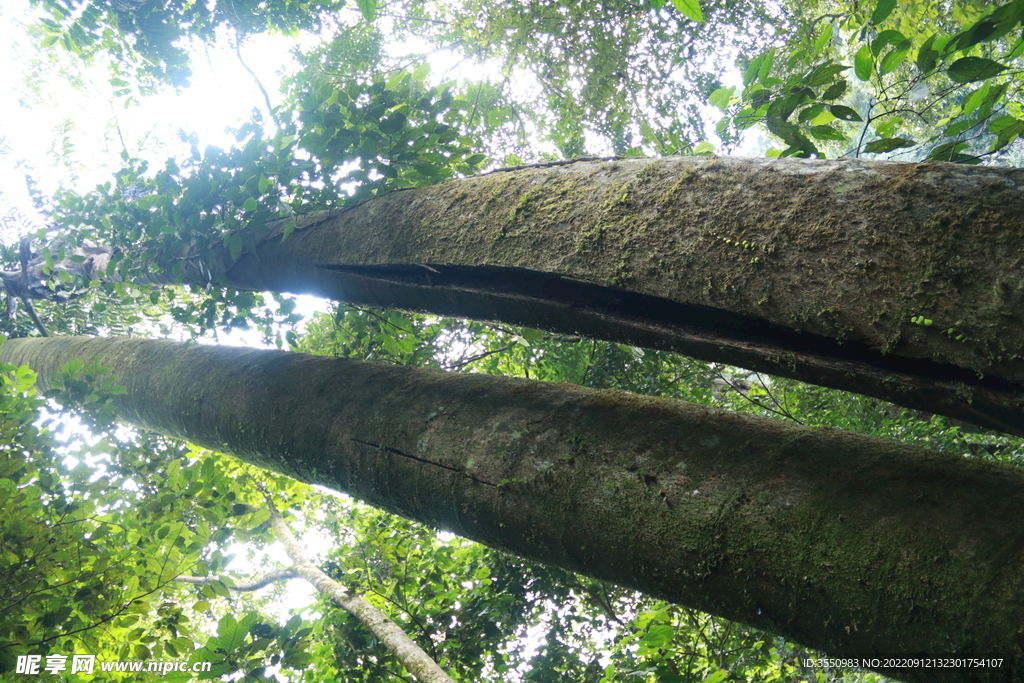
{"points": [[411, 655], [270, 577]]}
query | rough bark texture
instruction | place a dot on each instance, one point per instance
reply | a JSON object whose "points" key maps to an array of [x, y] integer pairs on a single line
{"points": [[803, 268], [844, 543]]}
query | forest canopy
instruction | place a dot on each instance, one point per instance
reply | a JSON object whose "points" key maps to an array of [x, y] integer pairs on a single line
{"points": [[127, 545]]}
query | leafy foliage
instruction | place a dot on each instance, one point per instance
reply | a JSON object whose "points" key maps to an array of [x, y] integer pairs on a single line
{"points": [[915, 89], [97, 530], [611, 77], [144, 36], [196, 215], [77, 575]]}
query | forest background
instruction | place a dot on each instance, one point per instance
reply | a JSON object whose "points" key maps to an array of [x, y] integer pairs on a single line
{"points": [[101, 525]]}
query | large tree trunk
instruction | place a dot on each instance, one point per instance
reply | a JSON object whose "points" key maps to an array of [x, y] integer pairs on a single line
{"points": [[807, 269], [842, 542]]}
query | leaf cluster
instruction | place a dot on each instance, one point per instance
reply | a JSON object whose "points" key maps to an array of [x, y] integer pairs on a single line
{"points": [[616, 77], [147, 38], [914, 89]]}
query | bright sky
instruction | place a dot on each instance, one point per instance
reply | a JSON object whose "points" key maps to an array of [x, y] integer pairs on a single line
{"points": [[37, 105]]}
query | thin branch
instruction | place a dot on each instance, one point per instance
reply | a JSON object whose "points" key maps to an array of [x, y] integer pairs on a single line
{"points": [[462, 363], [35, 318], [274, 575], [259, 84]]}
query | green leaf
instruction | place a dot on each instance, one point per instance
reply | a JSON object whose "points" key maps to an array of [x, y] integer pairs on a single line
{"points": [[863, 64], [827, 133], [658, 636], [823, 39], [798, 143], [257, 518], [960, 127], [927, 56], [992, 27], [887, 145], [823, 73], [992, 98], [368, 8], [1007, 131], [973, 101], [393, 123], [894, 58], [250, 204], [298, 660], [72, 367], [845, 113], [1016, 52], [721, 98], [948, 151], [886, 38], [882, 11], [1001, 123], [808, 113], [288, 229], [230, 633], [234, 244], [766, 65], [717, 677], [970, 69], [835, 91], [690, 9], [750, 74]]}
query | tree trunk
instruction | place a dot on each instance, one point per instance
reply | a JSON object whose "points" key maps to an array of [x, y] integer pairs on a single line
{"points": [[807, 269], [898, 281], [845, 543]]}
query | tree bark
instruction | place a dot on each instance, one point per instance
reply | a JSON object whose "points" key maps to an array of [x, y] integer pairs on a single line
{"points": [[898, 281], [806, 269], [848, 544]]}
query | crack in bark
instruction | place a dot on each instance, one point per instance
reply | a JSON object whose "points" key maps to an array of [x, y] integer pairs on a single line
{"points": [[689, 321], [399, 453]]}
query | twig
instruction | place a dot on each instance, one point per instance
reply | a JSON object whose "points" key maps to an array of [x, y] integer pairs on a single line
{"points": [[263, 91], [270, 577]]}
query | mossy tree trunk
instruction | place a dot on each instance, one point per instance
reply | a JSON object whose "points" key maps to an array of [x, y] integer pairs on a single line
{"points": [[808, 269], [899, 281], [841, 542]]}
